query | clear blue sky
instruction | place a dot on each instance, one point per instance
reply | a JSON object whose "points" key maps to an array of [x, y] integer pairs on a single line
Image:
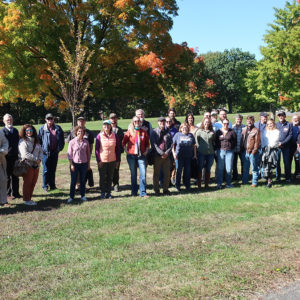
{"points": [[216, 25]]}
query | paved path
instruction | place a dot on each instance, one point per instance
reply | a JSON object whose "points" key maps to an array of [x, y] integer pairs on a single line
{"points": [[291, 292]]}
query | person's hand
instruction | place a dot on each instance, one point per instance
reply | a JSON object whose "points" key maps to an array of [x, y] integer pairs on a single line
{"points": [[38, 161], [164, 156], [175, 156], [89, 165], [117, 165], [279, 145], [72, 168], [195, 157], [100, 164]]}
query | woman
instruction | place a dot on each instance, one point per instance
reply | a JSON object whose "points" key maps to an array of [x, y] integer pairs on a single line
{"points": [[3, 174], [79, 158], [269, 144], [136, 145], [205, 140], [31, 151], [225, 143], [107, 152], [184, 149]]}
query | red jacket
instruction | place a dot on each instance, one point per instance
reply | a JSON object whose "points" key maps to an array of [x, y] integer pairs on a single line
{"points": [[129, 140]]}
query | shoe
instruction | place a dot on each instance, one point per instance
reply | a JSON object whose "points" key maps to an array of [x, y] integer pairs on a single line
{"points": [[6, 204], [269, 185], [30, 203], [288, 181], [173, 181], [116, 188], [178, 189], [219, 187], [145, 196], [157, 194], [70, 200], [167, 193], [53, 188], [108, 196], [83, 199], [229, 186], [16, 196], [45, 189], [102, 196], [253, 185]]}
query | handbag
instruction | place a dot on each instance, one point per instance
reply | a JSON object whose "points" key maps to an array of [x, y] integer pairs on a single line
{"points": [[150, 157]]}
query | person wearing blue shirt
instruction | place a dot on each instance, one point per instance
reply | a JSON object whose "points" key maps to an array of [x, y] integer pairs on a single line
{"points": [[222, 116], [294, 154], [285, 130]]}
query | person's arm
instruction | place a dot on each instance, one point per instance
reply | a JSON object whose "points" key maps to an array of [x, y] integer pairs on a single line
{"points": [[154, 143], [234, 139], [118, 152], [147, 143], [61, 139], [288, 136], [125, 141], [97, 149], [4, 147], [257, 142], [170, 140]]}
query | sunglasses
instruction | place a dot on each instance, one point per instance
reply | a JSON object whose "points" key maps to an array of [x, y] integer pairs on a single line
{"points": [[29, 130], [225, 123], [49, 118], [168, 121], [138, 121]]}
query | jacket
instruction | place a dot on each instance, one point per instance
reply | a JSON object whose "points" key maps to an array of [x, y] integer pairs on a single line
{"points": [[253, 140], [44, 136], [227, 142], [30, 153], [13, 141], [129, 140], [285, 129], [157, 137], [107, 148]]}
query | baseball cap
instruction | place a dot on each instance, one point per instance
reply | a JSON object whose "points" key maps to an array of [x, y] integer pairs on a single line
{"points": [[107, 122], [112, 115], [161, 119], [49, 116], [263, 114]]}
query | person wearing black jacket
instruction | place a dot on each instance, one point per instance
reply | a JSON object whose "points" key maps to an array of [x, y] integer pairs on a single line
{"points": [[12, 135]]}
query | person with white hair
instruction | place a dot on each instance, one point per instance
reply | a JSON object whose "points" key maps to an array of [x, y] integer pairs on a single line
{"points": [[145, 124], [3, 175], [12, 135]]}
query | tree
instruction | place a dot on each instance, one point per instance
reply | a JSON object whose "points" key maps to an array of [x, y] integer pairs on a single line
{"points": [[276, 79], [228, 70], [118, 31]]}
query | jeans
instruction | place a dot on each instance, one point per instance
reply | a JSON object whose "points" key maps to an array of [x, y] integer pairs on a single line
{"points": [[135, 161], [185, 164], [248, 159], [49, 169], [225, 160], [235, 172], [82, 170], [286, 161], [205, 160]]}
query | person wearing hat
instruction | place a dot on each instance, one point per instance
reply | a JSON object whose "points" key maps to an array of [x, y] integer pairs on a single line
{"points": [[89, 136], [113, 118], [107, 153], [161, 142], [136, 145], [285, 137], [51, 137]]}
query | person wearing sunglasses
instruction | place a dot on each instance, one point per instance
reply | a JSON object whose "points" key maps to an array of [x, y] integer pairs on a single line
{"points": [[225, 143], [52, 140], [136, 144], [31, 151]]}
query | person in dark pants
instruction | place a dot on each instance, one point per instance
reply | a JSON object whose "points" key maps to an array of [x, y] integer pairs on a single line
{"points": [[161, 141], [285, 129], [113, 118], [107, 154], [52, 140], [294, 154], [12, 135]]}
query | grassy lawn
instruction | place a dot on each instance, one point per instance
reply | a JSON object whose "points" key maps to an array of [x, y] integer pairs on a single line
{"points": [[232, 243]]}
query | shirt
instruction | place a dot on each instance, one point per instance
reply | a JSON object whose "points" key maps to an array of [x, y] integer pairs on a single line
{"points": [[238, 132], [53, 138], [184, 145], [218, 125], [79, 151]]}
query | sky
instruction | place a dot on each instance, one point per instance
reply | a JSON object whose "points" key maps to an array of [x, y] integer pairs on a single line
{"points": [[216, 25]]}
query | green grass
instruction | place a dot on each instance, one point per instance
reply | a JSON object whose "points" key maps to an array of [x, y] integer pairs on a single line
{"points": [[211, 244]]}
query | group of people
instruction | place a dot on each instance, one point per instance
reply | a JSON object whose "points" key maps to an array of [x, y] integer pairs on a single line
{"points": [[177, 151]]}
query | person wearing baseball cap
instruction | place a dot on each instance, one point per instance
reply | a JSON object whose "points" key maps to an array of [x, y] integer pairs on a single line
{"points": [[52, 140], [285, 129], [113, 118]]}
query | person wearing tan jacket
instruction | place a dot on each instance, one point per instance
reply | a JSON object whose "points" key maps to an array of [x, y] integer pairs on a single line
{"points": [[250, 143]]}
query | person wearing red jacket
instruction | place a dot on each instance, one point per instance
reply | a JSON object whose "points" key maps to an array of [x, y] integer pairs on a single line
{"points": [[136, 145]]}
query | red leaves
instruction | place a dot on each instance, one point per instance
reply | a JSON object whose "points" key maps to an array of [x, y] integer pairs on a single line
{"points": [[150, 61]]}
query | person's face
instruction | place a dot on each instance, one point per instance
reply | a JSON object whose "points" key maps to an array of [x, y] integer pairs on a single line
{"points": [[8, 121], [206, 124], [226, 124], [214, 117], [270, 125], [222, 115], [172, 114], [80, 133], [161, 125], [281, 118], [185, 130], [137, 122], [207, 115], [50, 121], [29, 131], [81, 123], [114, 120], [190, 120], [250, 122], [168, 122], [140, 114], [263, 120], [296, 120], [106, 127], [238, 121]]}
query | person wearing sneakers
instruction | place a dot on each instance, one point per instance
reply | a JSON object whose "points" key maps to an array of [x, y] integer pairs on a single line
{"points": [[107, 152], [31, 151], [250, 143], [79, 156]]}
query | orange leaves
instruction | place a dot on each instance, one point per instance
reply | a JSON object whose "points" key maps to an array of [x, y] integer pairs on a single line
{"points": [[12, 19], [192, 87], [209, 95], [150, 61], [172, 101], [209, 82], [122, 4]]}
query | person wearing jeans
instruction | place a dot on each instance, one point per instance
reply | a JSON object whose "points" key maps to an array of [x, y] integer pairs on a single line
{"points": [[136, 144], [79, 157], [250, 143], [225, 143]]}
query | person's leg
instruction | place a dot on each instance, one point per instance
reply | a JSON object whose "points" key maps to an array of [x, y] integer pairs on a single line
{"points": [[157, 169], [35, 177], [74, 175], [166, 171], [132, 163], [234, 167], [9, 169], [246, 167], [220, 166], [3, 184], [52, 169], [187, 173], [27, 179], [209, 162], [287, 163], [142, 169], [111, 166], [102, 175], [45, 172], [278, 168], [201, 160], [179, 167], [116, 176], [254, 159], [82, 176], [228, 166]]}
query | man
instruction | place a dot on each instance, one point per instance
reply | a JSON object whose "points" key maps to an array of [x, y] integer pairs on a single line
{"points": [[3, 175], [237, 127], [120, 133], [214, 118], [222, 117], [250, 143], [90, 138], [294, 154], [285, 129], [145, 124], [12, 135], [52, 140], [172, 114], [161, 142]]}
